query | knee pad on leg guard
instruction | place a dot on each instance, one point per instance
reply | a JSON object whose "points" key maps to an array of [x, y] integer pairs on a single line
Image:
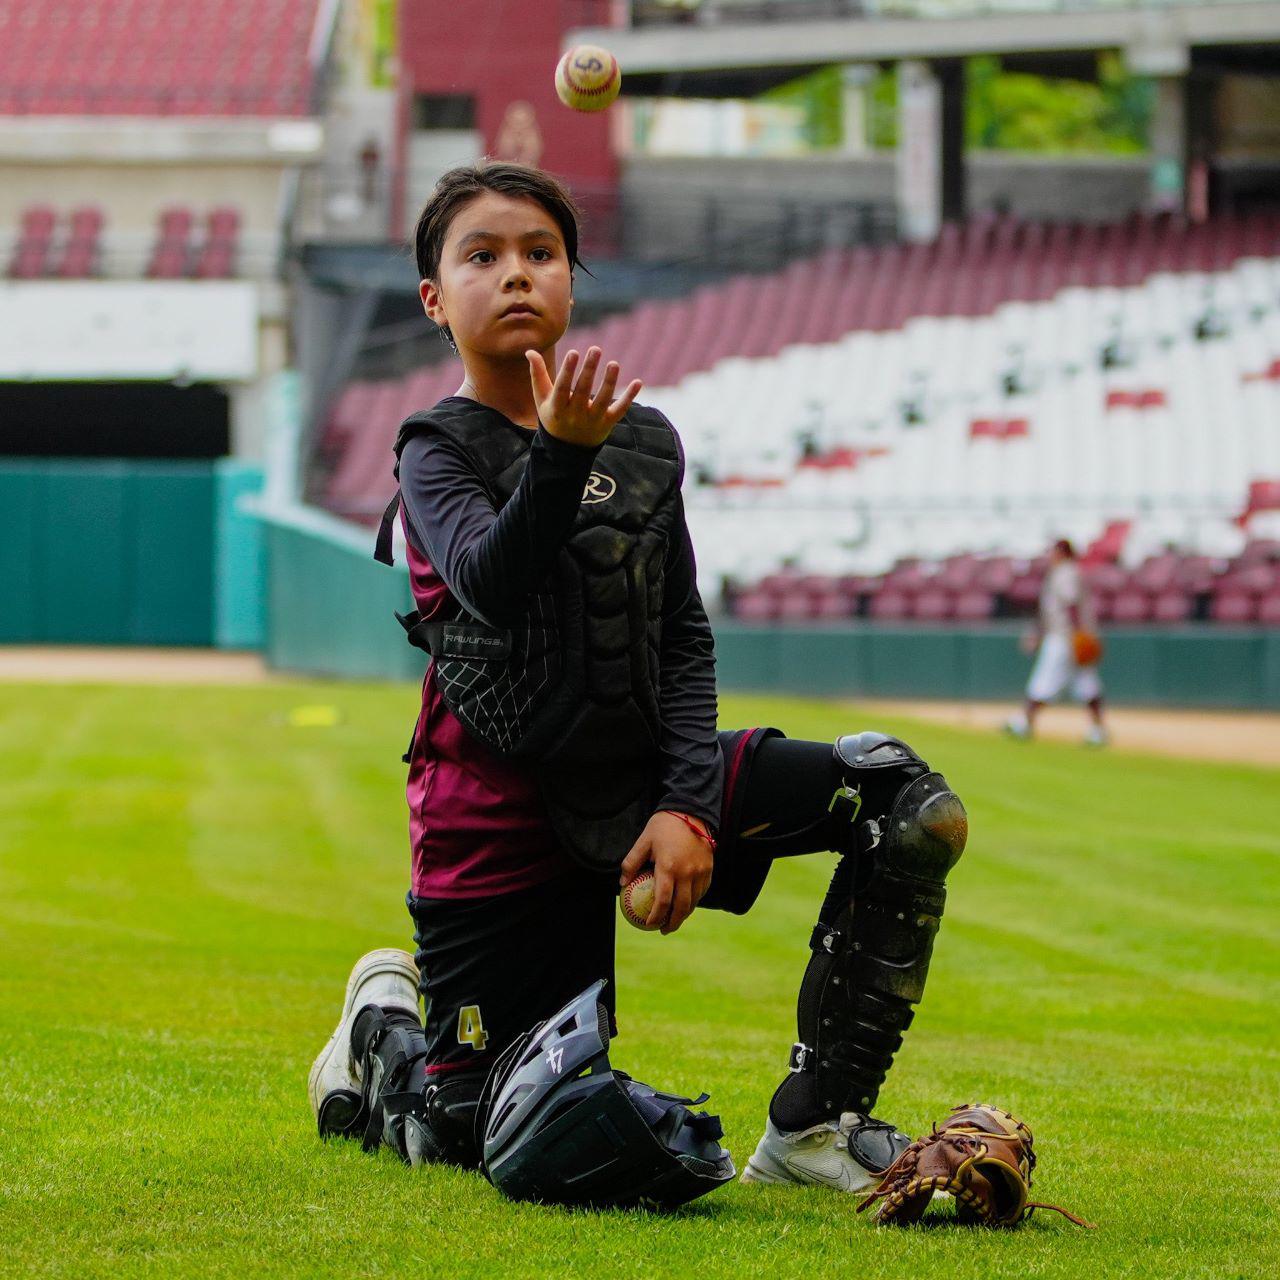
{"points": [[905, 829]]}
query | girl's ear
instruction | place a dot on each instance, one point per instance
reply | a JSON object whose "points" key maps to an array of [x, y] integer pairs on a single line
{"points": [[432, 303]]}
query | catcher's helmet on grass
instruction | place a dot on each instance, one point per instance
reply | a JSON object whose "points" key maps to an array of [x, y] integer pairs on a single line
{"points": [[559, 1124]]}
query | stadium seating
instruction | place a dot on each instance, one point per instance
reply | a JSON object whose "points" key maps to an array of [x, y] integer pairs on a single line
{"points": [[80, 252], [217, 257], [1244, 589], [42, 248], [171, 253], [175, 254], [32, 250], [159, 57], [1006, 384]]}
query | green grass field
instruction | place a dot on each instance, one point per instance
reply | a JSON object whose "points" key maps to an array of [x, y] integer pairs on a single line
{"points": [[186, 878]]}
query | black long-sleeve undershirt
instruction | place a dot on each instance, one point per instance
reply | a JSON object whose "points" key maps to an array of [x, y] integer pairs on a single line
{"points": [[493, 560]]}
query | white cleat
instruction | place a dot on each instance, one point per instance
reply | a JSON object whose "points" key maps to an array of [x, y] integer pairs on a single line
{"points": [[1096, 736], [1018, 727], [388, 978], [828, 1155]]}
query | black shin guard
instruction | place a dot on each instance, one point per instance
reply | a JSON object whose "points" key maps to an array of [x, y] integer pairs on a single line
{"points": [[904, 829], [445, 1134], [420, 1120]]}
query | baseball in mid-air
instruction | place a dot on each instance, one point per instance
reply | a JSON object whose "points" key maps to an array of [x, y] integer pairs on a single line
{"points": [[588, 78], [636, 901]]}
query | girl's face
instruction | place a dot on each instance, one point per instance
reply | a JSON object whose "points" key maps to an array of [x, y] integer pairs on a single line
{"points": [[504, 284]]}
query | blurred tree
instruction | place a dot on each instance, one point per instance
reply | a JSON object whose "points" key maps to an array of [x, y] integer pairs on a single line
{"points": [[1005, 111], [819, 96], [1012, 111]]}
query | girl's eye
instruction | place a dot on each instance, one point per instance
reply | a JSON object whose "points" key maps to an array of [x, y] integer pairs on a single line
{"points": [[545, 255], [481, 254]]}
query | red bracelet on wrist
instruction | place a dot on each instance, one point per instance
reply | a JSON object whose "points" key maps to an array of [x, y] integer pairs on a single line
{"points": [[698, 830]]}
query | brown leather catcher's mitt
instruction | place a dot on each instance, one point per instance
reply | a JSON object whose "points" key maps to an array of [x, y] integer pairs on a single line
{"points": [[979, 1154], [1086, 647]]}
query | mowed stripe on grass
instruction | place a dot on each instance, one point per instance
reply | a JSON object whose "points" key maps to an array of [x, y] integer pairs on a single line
{"points": [[186, 878]]}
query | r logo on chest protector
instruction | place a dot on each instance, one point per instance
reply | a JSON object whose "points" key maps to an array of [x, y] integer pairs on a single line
{"points": [[600, 487]]}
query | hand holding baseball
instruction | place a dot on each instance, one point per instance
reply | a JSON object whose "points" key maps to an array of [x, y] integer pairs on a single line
{"points": [[567, 409], [682, 863]]}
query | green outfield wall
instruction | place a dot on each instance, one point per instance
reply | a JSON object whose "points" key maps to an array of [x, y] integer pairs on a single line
{"points": [[128, 552], [330, 609], [1198, 666]]}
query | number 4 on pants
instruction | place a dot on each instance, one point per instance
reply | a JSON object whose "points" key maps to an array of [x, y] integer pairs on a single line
{"points": [[471, 1028]]}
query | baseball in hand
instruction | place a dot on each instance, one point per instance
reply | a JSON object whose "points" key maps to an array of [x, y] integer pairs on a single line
{"points": [[587, 78], [636, 900]]}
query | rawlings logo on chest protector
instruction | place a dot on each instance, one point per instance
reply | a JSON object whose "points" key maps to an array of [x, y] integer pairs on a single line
{"points": [[599, 487]]}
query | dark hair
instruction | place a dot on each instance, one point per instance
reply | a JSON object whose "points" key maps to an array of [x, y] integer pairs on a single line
{"points": [[1064, 548], [460, 185]]}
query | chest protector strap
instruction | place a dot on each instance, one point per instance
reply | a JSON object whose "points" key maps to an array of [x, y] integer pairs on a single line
{"points": [[571, 686]]}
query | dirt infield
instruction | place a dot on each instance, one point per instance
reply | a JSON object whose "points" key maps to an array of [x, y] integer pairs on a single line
{"points": [[57, 664], [1242, 737], [1247, 737]]}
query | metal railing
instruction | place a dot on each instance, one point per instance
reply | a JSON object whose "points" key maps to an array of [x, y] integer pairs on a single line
{"points": [[733, 230]]}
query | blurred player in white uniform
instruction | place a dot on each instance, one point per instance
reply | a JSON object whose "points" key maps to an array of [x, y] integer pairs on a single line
{"points": [[1065, 611]]}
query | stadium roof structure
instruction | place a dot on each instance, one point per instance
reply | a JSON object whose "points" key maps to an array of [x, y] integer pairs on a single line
{"points": [[743, 52], [254, 58]]}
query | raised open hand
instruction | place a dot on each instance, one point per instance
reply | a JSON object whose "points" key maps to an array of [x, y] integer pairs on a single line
{"points": [[567, 409]]}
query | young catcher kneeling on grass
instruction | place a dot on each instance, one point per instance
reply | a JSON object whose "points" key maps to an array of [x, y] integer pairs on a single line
{"points": [[567, 740]]}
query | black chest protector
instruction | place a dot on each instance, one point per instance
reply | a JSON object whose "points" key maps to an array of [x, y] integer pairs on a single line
{"points": [[572, 685]]}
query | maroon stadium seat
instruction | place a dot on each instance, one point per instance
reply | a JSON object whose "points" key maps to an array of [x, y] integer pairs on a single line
{"points": [[777, 584], [86, 222], [957, 573], [1131, 606], [1107, 577], [933, 604], [216, 259], [859, 584], [1260, 551], [1156, 573], [1197, 573], [830, 605], [890, 605], [995, 574], [1252, 579], [79, 256], [974, 605], [1172, 605], [755, 606], [31, 252], [1024, 591], [795, 606], [1233, 606], [907, 575], [1269, 610], [37, 224], [171, 255]]}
